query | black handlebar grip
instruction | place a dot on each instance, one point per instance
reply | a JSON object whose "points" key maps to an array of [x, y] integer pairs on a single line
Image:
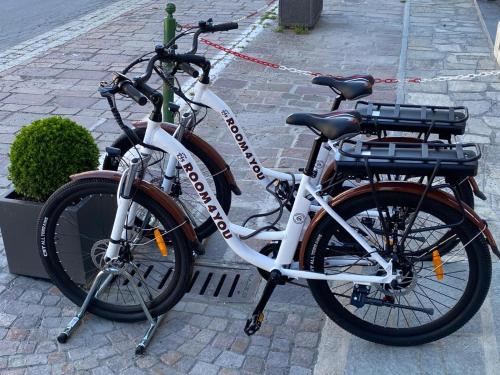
{"points": [[131, 91], [190, 59], [224, 26], [186, 68]]}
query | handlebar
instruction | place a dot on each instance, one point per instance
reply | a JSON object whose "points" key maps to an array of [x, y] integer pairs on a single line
{"points": [[140, 92], [220, 27], [133, 93], [188, 69]]}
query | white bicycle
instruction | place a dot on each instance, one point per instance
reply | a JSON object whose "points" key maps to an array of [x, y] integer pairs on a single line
{"points": [[166, 173], [363, 253]]}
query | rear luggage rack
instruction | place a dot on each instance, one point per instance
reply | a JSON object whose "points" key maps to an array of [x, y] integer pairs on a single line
{"points": [[423, 119], [416, 159]]}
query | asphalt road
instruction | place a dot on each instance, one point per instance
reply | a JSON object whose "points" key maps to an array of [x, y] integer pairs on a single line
{"points": [[21, 20]]}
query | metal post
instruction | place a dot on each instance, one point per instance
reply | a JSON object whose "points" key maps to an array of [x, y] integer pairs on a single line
{"points": [[169, 26]]}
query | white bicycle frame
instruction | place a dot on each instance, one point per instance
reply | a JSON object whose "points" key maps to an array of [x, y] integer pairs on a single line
{"points": [[203, 95], [289, 237]]}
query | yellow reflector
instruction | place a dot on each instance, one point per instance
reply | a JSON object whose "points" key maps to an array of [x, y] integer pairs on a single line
{"points": [[161, 244], [438, 265]]}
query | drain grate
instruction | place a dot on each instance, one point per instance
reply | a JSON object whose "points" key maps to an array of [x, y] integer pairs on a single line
{"points": [[234, 283], [231, 283]]}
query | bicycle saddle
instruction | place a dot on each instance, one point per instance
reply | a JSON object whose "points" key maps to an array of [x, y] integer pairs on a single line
{"points": [[332, 125], [353, 87]]}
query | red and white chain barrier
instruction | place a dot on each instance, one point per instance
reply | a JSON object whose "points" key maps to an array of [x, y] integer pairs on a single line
{"points": [[377, 80], [273, 65]]}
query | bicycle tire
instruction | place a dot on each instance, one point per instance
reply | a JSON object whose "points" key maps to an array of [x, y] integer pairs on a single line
{"points": [[332, 302], [51, 246], [222, 188]]}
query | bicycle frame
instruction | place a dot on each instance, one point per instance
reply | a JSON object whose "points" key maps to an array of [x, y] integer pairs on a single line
{"points": [[264, 175], [289, 237]]}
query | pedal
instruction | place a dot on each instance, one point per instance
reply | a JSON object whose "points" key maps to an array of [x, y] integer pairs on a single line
{"points": [[253, 324]]}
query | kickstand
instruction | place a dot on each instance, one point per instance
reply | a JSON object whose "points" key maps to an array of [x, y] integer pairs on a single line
{"points": [[111, 272]]}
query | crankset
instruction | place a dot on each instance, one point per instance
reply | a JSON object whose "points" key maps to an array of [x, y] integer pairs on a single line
{"points": [[359, 298], [271, 250]]}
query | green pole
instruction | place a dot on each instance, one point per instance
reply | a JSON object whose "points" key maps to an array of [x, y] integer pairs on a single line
{"points": [[169, 26]]}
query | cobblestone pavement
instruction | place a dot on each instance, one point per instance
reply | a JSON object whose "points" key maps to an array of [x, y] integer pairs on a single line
{"points": [[204, 335]]}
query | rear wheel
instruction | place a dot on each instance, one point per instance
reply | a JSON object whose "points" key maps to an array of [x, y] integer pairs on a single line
{"points": [[74, 229], [453, 285]]}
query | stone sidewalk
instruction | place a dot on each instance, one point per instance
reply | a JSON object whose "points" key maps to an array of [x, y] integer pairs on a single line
{"points": [[204, 334]]}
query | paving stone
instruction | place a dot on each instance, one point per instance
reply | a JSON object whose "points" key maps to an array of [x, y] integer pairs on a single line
{"points": [[203, 368], [6, 319], [209, 354], [171, 357], [302, 357], [306, 339], [281, 345], [223, 341], [277, 359], [192, 348], [205, 336], [184, 364], [8, 347], [253, 364], [297, 370], [230, 360], [257, 351]]}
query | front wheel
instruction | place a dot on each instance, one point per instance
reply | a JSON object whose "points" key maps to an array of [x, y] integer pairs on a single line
{"points": [[431, 300], [74, 229]]}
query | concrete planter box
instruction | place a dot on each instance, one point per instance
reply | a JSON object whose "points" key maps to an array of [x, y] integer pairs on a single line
{"points": [[303, 13], [18, 223]]}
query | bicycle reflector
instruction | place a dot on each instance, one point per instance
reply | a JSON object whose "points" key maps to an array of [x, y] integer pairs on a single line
{"points": [[160, 242], [438, 264]]}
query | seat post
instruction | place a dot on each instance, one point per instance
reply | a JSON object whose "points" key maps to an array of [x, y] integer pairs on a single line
{"points": [[336, 103], [309, 169]]}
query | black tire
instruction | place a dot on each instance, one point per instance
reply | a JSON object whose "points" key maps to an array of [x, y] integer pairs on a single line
{"points": [[336, 302], [205, 226], [57, 229]]}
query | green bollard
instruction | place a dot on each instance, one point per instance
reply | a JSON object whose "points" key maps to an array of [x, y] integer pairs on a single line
{"points": [[169, 26]]}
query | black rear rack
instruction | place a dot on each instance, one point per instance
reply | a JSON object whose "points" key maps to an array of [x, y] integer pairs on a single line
{"points": [[417, 159], [422, 119]]}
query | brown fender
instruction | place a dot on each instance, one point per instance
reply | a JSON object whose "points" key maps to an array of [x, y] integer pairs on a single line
{"points": [[159, 197], [409, 187], [206, 148]]}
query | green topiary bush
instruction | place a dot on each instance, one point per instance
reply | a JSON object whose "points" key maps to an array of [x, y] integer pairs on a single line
{"points": [[45, 153]]}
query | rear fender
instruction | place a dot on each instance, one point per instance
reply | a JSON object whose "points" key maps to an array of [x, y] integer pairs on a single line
{"points": [[159, 197], [410, 188], [206, 148]]}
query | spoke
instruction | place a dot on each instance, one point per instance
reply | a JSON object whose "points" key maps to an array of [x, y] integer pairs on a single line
{"points": [[388, 316], [403, 312], [432, 300], [414, 313], [442, 283], [421, 304], [434, 290]]}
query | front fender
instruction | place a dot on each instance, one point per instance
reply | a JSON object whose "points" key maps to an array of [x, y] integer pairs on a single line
{"points": [[166, 202], [206, 148], [410, 188]]}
